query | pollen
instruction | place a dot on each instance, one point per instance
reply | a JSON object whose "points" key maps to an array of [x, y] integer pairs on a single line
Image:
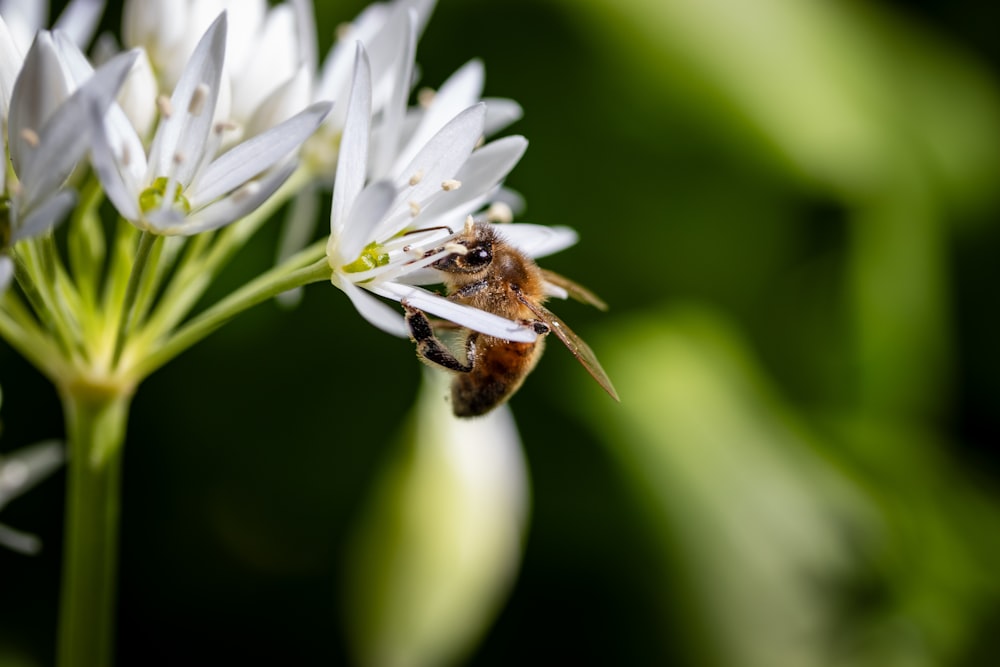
{"points": [[152, 197], [31, 137], [371, 257], [222, 127], [164, 105], [198, 98], [417, 177], [451, 184], [500, 212], [470, 223], [414, 209], [456, 248]]}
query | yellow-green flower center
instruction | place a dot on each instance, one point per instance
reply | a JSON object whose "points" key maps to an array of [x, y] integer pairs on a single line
{"points": [[152, 197], [370, 258]]}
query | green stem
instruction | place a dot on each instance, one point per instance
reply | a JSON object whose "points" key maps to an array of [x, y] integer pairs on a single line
{"points": [[264, 287], [146, 241], [95, 426]]}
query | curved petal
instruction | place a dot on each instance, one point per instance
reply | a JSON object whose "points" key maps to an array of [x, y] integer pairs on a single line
{"points": [[460, 91], [45, 216], [538, 240], [466, 316], [500, 112], [373, 310], [234, 206], [79, 20], [39, 89], [183, 134], [371, 206], [352, 164], [6, 272], [110, 171], [255, 155], [63, 139]]}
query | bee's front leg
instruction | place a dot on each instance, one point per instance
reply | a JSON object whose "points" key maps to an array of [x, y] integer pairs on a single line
{"points": [[429, 346]]}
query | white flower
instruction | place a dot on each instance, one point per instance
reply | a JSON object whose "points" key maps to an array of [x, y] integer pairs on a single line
{"points": [[24, 18], [45, 139], [19, 472], [383, 233], [182, 187]]}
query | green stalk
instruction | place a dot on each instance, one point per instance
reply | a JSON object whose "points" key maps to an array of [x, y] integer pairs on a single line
{"points": [[95, 426], [146, 241], [266, 286]]}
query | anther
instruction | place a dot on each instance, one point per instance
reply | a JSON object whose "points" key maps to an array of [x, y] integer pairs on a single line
{"points": [[470, 223], [455, 248], [126, 156], [31, 137], [451, 184], [414, 209], [197, 103], [179, 158], [343, 30], [425, 96], [165, 107], [417, 177], [224, 126], [248, 190], [500, 212]]}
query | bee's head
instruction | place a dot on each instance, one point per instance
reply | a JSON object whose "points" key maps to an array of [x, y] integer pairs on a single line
{"points": [[471, 253]]}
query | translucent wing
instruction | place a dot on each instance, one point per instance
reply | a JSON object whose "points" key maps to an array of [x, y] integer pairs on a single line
{"points": [[580, 349], [575, 290]]}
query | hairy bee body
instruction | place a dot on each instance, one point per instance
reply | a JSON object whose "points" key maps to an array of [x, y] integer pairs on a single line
{"points": [[488, 273]]}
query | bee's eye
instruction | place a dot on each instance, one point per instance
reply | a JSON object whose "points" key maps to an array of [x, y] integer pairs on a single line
{"points": [[478, 256]]}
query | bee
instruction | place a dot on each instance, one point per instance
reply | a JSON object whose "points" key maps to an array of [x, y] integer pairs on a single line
{"points": [[487, 272]]}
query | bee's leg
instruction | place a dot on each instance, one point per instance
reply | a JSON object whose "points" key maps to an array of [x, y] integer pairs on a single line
{"points": [[428, 345], [539, 327], [469, 290]]}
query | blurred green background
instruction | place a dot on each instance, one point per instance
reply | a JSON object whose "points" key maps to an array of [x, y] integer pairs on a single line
{"points": [[790, 205]]}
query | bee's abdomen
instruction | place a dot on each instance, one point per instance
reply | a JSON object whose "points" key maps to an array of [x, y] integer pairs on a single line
{"points": [[498, 371]]}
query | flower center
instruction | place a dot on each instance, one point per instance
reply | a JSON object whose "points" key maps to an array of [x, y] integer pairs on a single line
{"points": [[371, 257], [152, 197]]}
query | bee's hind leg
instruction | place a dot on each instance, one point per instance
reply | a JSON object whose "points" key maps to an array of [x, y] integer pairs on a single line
{"points": [[430, 347]]}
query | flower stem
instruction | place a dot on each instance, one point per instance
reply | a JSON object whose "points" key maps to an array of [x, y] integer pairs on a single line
{"points": [[146, 242], [95, 426], [266, 286]]}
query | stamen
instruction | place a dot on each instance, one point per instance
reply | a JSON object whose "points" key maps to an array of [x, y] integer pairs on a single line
{"points": [[197, 103], [343, 30], [179, 158], [126, 156], [500, 212], [425, 96], [456, 248], [164, 105], [31, 137], [470, 224], [224, 126], [480, 141], [417, 177], [414, 209], [451, 184]]}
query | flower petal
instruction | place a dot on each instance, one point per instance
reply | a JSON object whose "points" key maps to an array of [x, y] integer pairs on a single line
{"points": [[45, 216], [63, 139], [234, 206], [394, 89], [40, 87], [373, 310], [11, 59], [183, 134], [460, 91], [6, 272], [110, 171], [538, 240], [466, 316], [500, 112], [369, 208], [352, 165], [480, 174], [79, 20], [255, 155]]}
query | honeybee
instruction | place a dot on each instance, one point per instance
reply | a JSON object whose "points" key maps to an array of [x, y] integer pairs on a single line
{"points": [[488, 273]]}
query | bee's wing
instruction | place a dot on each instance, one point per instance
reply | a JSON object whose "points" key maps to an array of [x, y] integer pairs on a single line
{"points": [[575, 290], [580, 349]]}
